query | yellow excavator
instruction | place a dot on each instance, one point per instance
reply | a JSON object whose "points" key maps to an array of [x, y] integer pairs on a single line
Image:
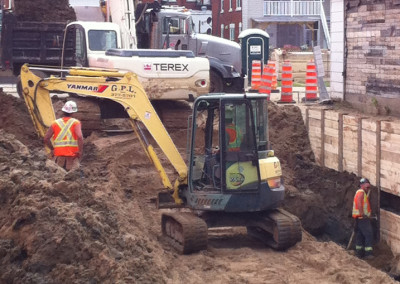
{"points": [[232, 177]]}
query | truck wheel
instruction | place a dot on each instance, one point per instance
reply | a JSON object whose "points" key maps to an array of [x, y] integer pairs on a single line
{"points": [[216, 83]]}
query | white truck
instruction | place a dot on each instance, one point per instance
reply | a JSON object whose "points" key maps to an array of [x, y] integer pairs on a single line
{"points": [[164, 74]]}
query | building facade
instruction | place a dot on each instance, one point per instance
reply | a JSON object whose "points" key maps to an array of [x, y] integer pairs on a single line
{"points": [[290, 23], [227, 18]]}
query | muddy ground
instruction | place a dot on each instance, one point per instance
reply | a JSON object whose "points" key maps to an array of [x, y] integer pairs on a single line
{"points": [[98, 224]]}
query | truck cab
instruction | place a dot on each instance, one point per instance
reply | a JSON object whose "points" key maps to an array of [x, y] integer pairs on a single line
{"points": [[85, 41], [172, 28]]}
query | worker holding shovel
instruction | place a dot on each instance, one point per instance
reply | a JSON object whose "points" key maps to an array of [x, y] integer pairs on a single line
{"points": [[362, 216]]}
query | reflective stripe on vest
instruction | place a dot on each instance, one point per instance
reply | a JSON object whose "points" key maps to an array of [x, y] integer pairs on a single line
{"points": [[366, 205], [234, 138], [65, 137]]}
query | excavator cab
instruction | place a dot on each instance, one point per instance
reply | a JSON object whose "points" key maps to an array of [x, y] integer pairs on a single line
{"points": [[234, 178], [232, 168]]}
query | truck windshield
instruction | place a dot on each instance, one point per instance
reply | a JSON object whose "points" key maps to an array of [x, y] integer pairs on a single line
{"points": [[101, 40]]}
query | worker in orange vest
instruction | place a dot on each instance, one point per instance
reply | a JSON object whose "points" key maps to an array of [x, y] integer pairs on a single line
{"points": [[67, 143], [362, 214], [234, 135]]}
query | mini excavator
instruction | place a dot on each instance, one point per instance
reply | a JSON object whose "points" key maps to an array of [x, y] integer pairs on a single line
{"points": [[221, 185]]}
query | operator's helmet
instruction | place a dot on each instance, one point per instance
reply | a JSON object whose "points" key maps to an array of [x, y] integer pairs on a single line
{"points": [[70, 107], [364, 180]]}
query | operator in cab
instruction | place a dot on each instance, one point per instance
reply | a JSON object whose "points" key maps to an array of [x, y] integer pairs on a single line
{"points": [[64, 138], [233, 133]]}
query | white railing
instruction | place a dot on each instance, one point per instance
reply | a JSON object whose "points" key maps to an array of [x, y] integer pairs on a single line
{"points": [[292, 8]]}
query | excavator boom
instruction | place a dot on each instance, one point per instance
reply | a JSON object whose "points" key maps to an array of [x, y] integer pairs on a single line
{"points": [[123, 88]]}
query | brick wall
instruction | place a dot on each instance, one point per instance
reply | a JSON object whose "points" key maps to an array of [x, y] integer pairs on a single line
{"points": [[226, 16], [373, 55]]}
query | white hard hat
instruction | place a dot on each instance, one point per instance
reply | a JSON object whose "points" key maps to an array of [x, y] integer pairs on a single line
{"points": [[70, 107]]}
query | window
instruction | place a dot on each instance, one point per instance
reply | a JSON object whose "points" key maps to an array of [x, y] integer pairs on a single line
{"points": [[222, 30], [238, 4], [176, 25], [100, 40], [232, 31], [230, 5], [222, 6]]}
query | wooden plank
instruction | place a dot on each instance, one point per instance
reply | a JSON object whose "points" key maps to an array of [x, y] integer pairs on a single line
{"points": [[350, 165], [350, 120], [332, 115], [390, 141], [331, 161], [314, 122], [331, 132], [368, 154], [333, 124], [340, 143], [390, 177], [316, 114], [359, 147], [390, 229], [369, 125], [332, 140], [391, 127], [350, 143], [350, 128], [390, 156]]}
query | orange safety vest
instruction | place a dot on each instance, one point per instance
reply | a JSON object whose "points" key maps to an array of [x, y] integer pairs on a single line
{"points": [[65, 139], [234, 138], [365, 204]]}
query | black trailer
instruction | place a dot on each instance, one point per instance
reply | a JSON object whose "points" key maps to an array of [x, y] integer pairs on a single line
{"points": [[38, 43]]}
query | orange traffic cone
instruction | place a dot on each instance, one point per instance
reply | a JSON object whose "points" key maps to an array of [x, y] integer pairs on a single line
{"points": [[274, 83], [255, 75], [266, 80], [287, 83], [311, 82]]}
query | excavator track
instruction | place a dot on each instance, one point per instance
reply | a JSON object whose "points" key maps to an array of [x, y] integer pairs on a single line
{"points": [[278, 229], [185, 232]]}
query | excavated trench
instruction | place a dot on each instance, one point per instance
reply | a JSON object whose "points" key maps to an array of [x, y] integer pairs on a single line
{"points": [[56, 226]]}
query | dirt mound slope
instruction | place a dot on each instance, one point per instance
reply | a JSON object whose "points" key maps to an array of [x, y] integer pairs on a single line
{"points": [[15, 119], [44, 11], [97, 224]]}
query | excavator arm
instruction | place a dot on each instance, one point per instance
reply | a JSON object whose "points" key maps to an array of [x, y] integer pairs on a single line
{"points": [[123, 88]]}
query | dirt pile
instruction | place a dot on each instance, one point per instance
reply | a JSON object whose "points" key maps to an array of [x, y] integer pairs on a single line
{"points": [[44, 11], [57, 227], [15, 119], [97, 224]]}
